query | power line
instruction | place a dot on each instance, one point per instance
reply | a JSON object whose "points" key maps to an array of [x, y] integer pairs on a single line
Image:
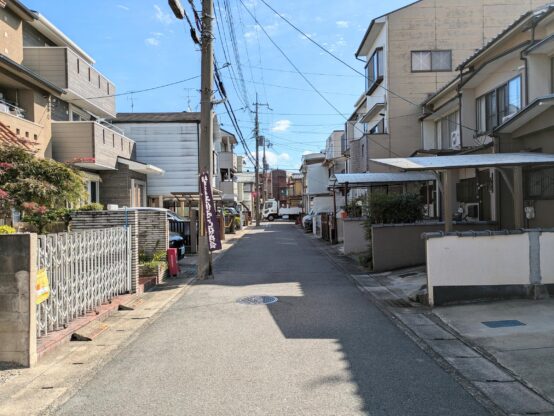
{"points": [[313, 86], [347, 64], [303, 89], [139, 91]]}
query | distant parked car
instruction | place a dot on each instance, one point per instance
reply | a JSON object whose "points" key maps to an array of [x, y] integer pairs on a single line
{"points": [[178, 242]]}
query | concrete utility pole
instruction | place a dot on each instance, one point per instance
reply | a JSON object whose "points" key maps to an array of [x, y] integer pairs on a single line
{"points": [[264, 171], [257, 167], [206, 130], [205, 149]]}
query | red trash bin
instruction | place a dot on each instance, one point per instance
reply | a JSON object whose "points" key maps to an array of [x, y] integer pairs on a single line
{"points": [[172, 262]]}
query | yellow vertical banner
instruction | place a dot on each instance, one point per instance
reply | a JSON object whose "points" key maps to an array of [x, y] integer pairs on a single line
{"points": [[43, 287]]}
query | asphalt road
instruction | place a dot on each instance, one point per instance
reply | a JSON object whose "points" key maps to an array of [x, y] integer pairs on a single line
{"points": [[322, 349]]}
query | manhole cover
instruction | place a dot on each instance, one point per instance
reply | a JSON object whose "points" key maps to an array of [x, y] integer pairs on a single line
{"points": [[257, 300]]}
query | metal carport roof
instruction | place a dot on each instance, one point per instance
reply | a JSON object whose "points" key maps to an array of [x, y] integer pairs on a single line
{"points": [[468, 161], [360, 180]]}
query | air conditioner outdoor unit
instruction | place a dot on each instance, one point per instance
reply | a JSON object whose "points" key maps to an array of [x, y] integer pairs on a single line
{"points": [[472, 211], [455, 141]]}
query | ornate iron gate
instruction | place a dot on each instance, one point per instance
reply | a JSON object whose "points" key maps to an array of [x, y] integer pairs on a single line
{"points": [[85, 270]]}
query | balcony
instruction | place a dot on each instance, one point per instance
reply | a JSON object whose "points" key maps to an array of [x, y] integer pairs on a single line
{"points": [[26, 129], [228, 160], [84, 85], [229, 189], [90, 145]]}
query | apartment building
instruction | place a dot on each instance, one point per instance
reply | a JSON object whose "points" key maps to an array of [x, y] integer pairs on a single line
{"points": [[279, 186], [52, 96], [501, 103], [315, 181], [227, 166], [410, 53], [25, 96], [294, 194]]}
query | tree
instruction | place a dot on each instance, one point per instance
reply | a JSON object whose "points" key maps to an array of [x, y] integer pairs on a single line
{"points": [[36, 186]]}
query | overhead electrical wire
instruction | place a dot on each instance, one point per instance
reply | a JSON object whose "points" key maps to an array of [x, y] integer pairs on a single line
{"points": [[310, 83], [346, 63]]}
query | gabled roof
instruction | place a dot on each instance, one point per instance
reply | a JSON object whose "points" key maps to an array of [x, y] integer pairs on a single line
{"points": [[372, 24], [180, 117], [538, 14], [20, 9]]}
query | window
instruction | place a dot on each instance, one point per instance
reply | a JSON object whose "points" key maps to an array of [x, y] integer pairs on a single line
{"points": [[494, 107], [379, 128], [539, 184], [374, 70], [431, 61], [89, 76], [444, 129], [78, 66], [76, 117]]}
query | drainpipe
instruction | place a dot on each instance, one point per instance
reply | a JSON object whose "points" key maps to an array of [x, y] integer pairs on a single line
{"points": [[526, 64]]}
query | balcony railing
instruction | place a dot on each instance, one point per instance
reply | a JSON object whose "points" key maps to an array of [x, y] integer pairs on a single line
{"points": [[26, 129], [84, 85], [89, 144]]}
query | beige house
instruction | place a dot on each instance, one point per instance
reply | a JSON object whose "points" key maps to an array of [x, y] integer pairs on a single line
{"points": [[410, 53], [52, 96], [500, 104], [25, 96]]}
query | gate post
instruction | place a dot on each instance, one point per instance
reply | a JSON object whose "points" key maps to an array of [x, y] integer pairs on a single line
{"points": [[18, 276]]}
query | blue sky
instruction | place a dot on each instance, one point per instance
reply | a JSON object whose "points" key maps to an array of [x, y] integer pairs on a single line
{"points": [[139, 44]]}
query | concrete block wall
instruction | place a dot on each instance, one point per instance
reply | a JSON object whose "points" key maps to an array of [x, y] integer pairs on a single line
{"points": [[153, 231], [106, 219], [18, 326]]}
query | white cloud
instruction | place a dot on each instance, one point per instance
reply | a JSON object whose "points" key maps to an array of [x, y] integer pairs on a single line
{"points": [[343, 24], [162, 16], [152, 41], [122, 7], [276, 159], [281, 125]]}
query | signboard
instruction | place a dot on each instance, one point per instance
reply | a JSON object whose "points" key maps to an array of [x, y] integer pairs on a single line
{"points": [[210, 217], [42, 287]]}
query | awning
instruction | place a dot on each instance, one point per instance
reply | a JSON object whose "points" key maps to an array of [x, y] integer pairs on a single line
{"points": [[141, 167], [521, 118], [468, 161], [372, 112], [194, 197], [362, 180]]}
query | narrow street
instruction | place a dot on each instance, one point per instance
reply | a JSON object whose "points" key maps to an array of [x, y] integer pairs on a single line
{"points": [[322, 349]]}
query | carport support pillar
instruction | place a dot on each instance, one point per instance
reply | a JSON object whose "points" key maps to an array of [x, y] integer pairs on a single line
{"points": [[448, 196], [518, 198], [193, 231]]}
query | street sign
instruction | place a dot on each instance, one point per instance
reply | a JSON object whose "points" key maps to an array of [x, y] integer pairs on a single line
{"points": [[210, 217]]}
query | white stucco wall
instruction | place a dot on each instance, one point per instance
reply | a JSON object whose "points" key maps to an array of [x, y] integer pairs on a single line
{"points": [[478, 261]]}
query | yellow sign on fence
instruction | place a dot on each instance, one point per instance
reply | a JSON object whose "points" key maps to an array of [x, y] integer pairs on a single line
{"points": [[42, 287]]}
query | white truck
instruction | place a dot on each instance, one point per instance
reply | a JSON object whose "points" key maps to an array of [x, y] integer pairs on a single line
{"points": [[272, 210]]}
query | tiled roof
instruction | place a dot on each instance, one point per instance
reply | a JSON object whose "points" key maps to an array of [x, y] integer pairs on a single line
{"points": [[180, 117]]}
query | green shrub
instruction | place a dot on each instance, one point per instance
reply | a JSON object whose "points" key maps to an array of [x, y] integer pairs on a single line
{"points": [[395, 208], [6, 229], [95, 206], [159, 256]]}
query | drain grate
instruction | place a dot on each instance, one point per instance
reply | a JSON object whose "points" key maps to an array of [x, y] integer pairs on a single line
{"points": [[257, 300], [503, 324]]}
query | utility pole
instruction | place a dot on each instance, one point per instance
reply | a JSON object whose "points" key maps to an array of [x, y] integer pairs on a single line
{"points": [[264, 171], [257, 167], [205, 148], [206, 131]]}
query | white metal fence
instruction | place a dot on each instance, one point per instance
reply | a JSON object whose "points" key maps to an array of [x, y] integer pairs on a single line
{"points": [[85, 270]]}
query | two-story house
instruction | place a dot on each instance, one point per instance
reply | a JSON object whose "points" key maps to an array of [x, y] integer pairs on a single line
{"points": [[25, 96], [409, 54], [226, 166], [52, 96], [492, 124]]}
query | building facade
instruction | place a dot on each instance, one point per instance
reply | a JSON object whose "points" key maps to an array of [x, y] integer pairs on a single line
{"points": [[410, 53]]}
